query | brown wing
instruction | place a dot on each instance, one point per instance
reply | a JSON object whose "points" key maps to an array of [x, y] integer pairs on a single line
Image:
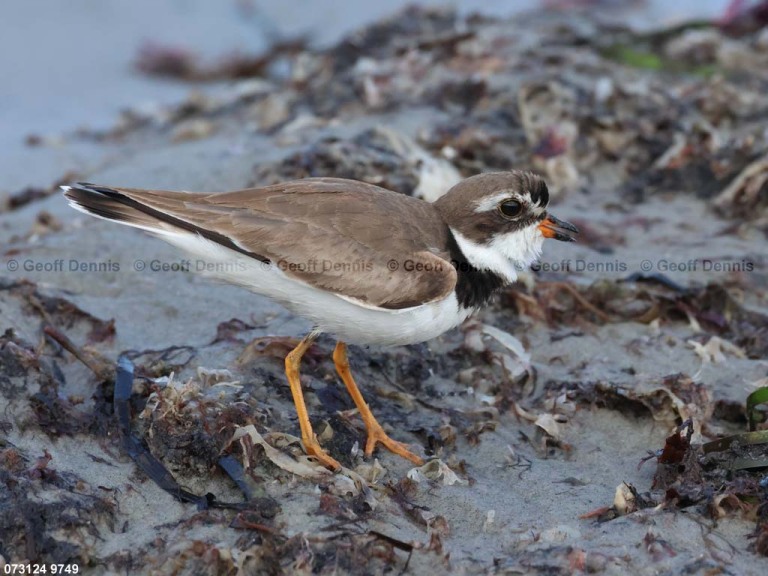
{"points": [[354, 239]]}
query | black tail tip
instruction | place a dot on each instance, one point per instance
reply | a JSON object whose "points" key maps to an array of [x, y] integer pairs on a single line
{"points": [[79, 188]]}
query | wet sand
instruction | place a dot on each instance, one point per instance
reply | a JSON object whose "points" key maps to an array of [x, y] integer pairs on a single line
{"points": [[528, 451]]}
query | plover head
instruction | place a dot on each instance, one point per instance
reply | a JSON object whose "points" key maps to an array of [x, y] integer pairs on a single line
{"points": [[500, 220]]}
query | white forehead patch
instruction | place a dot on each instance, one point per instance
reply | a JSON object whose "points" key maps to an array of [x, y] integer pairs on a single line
{"points": [[491, 202]]}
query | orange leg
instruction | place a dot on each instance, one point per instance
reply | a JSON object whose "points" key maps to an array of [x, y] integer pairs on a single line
{"points": [[375, 431], [311, 445]]}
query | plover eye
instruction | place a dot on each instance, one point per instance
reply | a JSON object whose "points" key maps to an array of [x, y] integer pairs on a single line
{"points": [[511, 209]]}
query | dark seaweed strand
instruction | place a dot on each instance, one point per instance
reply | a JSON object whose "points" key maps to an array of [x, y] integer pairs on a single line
{"points": [[474, 287]]}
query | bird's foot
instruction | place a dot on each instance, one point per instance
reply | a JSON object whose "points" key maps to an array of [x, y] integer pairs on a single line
{"points": [[377, 435], [312, 448]]}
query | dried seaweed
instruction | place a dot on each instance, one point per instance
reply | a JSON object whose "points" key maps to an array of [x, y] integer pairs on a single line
{"points": [[59, 312], [712, 307], [32, 194], [179, 63], [60, 529], [370, 157], [148, 463], [718, 476]]}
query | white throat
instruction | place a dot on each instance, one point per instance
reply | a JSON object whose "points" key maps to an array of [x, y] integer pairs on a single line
{"points": [[506, 254]]}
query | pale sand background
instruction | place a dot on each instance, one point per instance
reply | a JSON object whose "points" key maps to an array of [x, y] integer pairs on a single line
{"points": [[536, 512]]}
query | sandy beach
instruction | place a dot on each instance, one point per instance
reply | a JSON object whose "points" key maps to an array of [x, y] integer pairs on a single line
{"points": [[547, 420]]}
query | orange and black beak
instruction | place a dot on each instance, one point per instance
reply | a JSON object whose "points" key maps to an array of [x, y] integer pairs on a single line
{"points": [[552, 227]]}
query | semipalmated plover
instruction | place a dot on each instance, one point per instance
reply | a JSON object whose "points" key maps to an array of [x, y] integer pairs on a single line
{"points": [[362, 263]]}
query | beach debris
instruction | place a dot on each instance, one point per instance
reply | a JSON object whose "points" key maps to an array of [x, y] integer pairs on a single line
{"points": [[145, 460], [216, 376], [345, 483], [676, 397], [379, 155], [742, 17], [45, 223], [509, 342], [272, 111], [25, 196], [158, 363], [722, 474], [490, 520], [712, 310], [549, 424], [57, 311], [30, 194], [301, 465], [276, 347], [550, 290], [193, 129], [678, 463], [437, 471], [658, 548], [713, 352], [625, 499], [747, 192], [73, 510], [181, 63], [229, 330], [97, 364], [436, 175], [372, 472]]}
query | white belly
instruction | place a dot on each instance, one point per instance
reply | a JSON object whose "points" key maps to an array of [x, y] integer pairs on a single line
{"points": [[346, 319]]}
